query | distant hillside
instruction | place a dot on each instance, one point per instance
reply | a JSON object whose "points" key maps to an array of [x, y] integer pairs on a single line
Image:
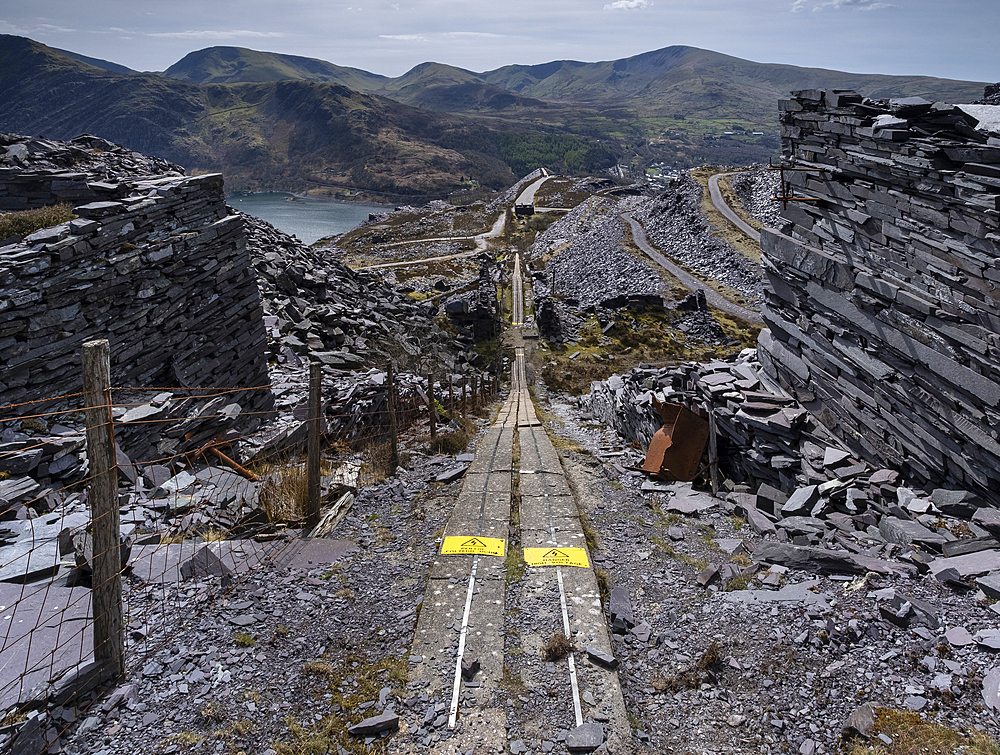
{"points": [[688, 81], [440, 87], [269, 120], [96, 62], [673, 105], [238, 65]]}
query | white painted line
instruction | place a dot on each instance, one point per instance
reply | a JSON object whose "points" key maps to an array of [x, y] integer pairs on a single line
{"points": [[457, 690]]}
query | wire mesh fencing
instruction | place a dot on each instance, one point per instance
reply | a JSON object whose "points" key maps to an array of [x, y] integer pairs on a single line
{"points": [[102, 562]]}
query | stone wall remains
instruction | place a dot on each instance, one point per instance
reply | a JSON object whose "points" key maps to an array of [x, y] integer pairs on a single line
{"points": [[161, 270], [882, 297]]}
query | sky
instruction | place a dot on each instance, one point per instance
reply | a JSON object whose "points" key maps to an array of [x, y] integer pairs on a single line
{"points": [[945, 38]]}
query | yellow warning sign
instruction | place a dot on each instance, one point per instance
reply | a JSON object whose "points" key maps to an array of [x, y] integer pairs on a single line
{"points": [[556, 557], [463, 545]]}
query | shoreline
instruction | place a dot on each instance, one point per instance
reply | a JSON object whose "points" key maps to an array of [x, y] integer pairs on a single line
{"points": [[334, 200]]}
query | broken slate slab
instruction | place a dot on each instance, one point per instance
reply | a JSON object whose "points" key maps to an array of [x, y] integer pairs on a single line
{"points": [[601, 658], [991, 689], [989, 520], [906, 532], [801, 501], [799, 593], [970, 564], [204, 563], [585, 738], [860, 722], [990, 585], [450, 475], [621, 610], [387, 721], [807, 558]]}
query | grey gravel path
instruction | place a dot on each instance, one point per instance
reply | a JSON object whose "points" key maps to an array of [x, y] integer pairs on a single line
{"points": [[714, 298], [726, 210]]}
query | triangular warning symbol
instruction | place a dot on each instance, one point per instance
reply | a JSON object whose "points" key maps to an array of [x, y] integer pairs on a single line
{"points": [[473, 542], [554, 553]]}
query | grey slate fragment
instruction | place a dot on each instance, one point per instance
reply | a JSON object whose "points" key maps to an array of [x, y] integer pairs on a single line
{"points": [[620, 608], [801, 501], [991, 689], [450, 475], [906, 532], [807, 558], [989, 520], [601, 658], [990, 585], [585, 738], [759, 522], [387, 721], [860, 722], [204, 563]]}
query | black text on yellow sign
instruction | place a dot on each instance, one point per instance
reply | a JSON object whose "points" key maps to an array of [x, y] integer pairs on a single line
{"points": [[556, 557], [463, 545]]}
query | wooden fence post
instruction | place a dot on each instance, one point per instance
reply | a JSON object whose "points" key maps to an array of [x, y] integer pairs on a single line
{"points": [[391, 406], [431, 408], [451, 395], [713, 449], [312, 464], [102, 494], [475, 394], [465, 396]]}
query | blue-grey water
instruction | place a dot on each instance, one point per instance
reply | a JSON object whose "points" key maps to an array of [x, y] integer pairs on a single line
{"points": [[308, 218]]}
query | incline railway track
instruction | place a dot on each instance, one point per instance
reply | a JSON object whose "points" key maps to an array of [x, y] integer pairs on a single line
{"points": [[480, 653]]}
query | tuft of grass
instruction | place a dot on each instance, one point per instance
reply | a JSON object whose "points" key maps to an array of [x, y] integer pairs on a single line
{"points": [[213, 535], [557, 648], [318, 668], [244, 639], [283, 496], [913, 735], [589, 533], [603, 584], [452, 443], [25, 222], [698, 564]]}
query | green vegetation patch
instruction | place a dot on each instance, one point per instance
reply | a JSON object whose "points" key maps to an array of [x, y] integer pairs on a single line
{"points": [[26, 222]]}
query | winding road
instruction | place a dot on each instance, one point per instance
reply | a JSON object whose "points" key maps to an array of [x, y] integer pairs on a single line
{"points": [[720, 204], [713, 297]]}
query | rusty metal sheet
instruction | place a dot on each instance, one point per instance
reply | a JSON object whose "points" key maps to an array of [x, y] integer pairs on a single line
{"points": [[676, 449]]}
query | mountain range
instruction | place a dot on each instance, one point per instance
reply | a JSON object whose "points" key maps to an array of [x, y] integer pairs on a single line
{"points": [[270, 120]]}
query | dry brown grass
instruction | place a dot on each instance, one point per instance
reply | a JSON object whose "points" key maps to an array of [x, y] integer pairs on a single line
{"points": [[557, 648], [283, 496]]}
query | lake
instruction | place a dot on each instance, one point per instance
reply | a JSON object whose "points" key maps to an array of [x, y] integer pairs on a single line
{"points": [[307, 218]]}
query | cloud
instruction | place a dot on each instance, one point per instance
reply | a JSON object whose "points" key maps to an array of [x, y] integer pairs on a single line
{"points": [[28, 29], [215, 34], [627, 4], [860, 5], [442, 35]]}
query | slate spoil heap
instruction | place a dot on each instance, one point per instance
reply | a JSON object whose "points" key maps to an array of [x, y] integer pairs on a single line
{"points": [[860, 586], [315, 305], [675, 224], [881, 294]]}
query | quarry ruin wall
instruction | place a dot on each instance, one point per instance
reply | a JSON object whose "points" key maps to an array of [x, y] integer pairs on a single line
{"points": [[158, 266], [883, 296]]}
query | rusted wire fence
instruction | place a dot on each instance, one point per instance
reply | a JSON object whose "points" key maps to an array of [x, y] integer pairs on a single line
{"points": [[126, 512]]}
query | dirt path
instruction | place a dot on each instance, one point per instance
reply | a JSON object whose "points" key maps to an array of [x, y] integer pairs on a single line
{"points": [[726, 210]]}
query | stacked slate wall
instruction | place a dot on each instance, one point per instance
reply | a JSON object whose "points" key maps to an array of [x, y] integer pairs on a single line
{"points": [[162, 272], [883, 297]]}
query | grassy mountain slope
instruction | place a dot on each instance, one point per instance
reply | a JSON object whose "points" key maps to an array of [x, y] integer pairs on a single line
{"points": [[289, 134], [687, 80], [107, 65], [239, 65], [444, 88]]}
